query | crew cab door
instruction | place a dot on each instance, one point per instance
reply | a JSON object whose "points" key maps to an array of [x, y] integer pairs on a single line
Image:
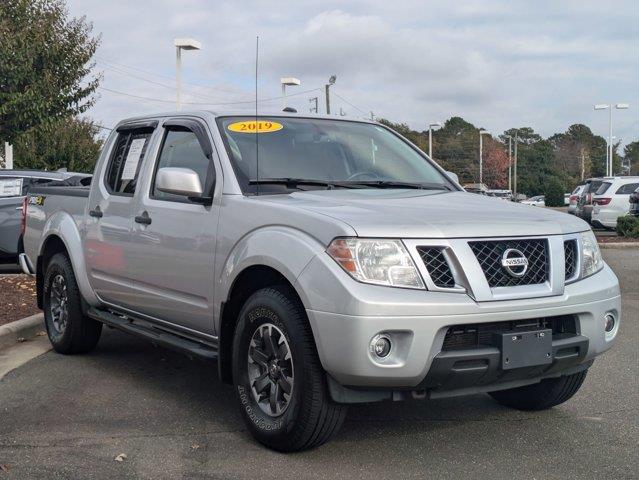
{"points": [[109, 222], [173, 239]]}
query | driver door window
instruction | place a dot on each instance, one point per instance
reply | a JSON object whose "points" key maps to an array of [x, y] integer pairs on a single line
{"points": [[182, 149]]}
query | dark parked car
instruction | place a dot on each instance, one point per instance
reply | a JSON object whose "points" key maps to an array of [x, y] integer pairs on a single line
{"points": [[584, 205], [634, 203], [14, 185]]}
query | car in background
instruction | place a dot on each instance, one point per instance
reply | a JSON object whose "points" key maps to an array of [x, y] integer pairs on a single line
{"points": [[502, 194], [479, 188], [574, 199], [584, 205], [14, 185], [611, 200], [634, 203], [536, 201]]}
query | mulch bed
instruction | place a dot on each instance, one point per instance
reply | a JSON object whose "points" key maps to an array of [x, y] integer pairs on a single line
{"points": [[616, 239], [17, 297]]}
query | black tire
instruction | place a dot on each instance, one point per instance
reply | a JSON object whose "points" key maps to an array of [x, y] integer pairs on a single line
{"points": [[80, 334], [310, 417], [542, 395]]}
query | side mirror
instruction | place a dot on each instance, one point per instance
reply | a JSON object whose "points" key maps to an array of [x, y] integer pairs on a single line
{"points": [[179, 181], [453, 177]]}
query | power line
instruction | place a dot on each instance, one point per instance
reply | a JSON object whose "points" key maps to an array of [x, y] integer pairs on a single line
{"points": [[349, 103], [150, 99]]}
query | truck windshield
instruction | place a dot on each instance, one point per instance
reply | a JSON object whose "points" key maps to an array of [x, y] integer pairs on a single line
{"points": [[307, 153]]}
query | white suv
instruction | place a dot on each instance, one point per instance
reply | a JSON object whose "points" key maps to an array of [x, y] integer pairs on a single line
{"points": [[611, 200]]}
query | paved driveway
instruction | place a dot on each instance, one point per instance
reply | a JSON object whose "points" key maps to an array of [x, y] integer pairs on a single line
{"points": [[69, 417]]}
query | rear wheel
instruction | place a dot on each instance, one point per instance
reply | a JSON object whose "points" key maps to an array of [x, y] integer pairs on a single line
{"points": [[279, 380], [68, 329], [540, 396]]}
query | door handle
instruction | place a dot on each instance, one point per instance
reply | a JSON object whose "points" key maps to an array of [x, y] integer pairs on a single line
{"points": [[144, 219], [97, 213]]}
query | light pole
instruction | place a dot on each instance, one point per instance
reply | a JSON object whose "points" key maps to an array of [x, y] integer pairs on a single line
{"points": [[287, 81], [609, 153], [430, 137], [510, 162], [331, 81], [515, 166], [182, 44], [481, 156]]}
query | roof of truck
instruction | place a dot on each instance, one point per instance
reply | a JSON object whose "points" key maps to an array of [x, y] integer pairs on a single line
{"points": [[242, 113]]}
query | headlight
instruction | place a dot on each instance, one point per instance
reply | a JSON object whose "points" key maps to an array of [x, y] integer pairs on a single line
{"points": [[591, 261], [378, 261]]}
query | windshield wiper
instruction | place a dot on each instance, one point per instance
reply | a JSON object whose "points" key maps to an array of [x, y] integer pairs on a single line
{"points": [[295, 182], [393, 184]]}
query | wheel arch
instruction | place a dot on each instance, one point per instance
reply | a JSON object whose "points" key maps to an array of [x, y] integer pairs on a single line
{"points": [[249, 281], [63, 237]]}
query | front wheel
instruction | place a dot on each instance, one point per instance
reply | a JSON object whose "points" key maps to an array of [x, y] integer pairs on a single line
{"points": [[279, 380], [69, 330], [540, 396]]}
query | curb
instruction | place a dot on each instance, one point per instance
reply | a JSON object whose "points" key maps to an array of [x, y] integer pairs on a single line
{"points": [[619, 245], [25, 328]]}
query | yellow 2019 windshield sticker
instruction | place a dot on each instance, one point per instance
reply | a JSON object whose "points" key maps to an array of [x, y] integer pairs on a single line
{"points": [[250, 126]]}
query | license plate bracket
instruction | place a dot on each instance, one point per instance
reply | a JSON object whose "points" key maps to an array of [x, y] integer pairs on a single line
{"points": [[525, 349]]}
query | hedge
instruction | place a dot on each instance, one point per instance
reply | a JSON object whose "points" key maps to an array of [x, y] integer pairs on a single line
{"points": [[628, 226]]}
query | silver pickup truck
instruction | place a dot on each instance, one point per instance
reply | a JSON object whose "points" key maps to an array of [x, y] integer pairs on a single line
{"points": [[321, 262]]}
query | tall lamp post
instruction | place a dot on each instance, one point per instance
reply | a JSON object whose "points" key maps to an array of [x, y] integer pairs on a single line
{"points": [[609, 149], [331, 81], [481, 156], [430, 137], [287, 81], [510, 162], [182, 44]]}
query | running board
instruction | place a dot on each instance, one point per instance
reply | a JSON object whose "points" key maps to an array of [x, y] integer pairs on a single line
{"points": [[146, 330]]}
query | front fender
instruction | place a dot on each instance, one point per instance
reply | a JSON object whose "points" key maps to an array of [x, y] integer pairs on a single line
{"points": [[284, 249], [62, 225]]}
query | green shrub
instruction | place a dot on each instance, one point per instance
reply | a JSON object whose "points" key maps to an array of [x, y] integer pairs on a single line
{"points": [[554, 192], [628, 226]]}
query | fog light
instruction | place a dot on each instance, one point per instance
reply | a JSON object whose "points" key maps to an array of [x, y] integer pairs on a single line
{"points": [[609, 322], [380, 346]]}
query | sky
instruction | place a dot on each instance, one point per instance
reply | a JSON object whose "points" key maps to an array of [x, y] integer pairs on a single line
{"points": [[498, 64]]}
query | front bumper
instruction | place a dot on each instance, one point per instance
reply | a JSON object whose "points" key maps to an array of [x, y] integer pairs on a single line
{"points": [[346, 315]]}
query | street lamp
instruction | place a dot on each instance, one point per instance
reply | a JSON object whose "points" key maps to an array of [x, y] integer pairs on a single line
{"points": [[331, 81], [182, 44], [287, 81], [430, 137], [481, 155], [510, 162], [609, 154]]}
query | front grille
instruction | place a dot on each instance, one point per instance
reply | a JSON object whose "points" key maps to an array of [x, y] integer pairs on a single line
{"points": [[570, 255], [479, 335], [437, 266], [489, 255]]}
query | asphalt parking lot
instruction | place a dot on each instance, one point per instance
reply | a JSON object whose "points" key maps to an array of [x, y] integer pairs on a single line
{"points": [[69, 417]]}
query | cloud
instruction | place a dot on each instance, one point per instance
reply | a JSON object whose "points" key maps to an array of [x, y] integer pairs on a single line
{"points": [[497, 63]]}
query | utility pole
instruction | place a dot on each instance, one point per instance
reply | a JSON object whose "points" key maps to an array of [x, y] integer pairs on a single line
{"points": [[510, 163], [314, 104], [8, 156], [583, 165], [481, 156], [515, 166], [430, 137], [331, 81], [372, 117]]}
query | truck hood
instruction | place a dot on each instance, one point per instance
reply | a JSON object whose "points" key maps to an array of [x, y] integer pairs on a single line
{"points": [[431, 214]]}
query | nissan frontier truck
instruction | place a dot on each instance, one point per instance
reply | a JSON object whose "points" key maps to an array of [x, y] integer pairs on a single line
{"points": [[318, 262]]}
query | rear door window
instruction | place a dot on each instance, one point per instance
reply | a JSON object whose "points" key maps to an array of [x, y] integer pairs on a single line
{"points": [[10, 187], [603, 188], [627, 189], [126, 160]]}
